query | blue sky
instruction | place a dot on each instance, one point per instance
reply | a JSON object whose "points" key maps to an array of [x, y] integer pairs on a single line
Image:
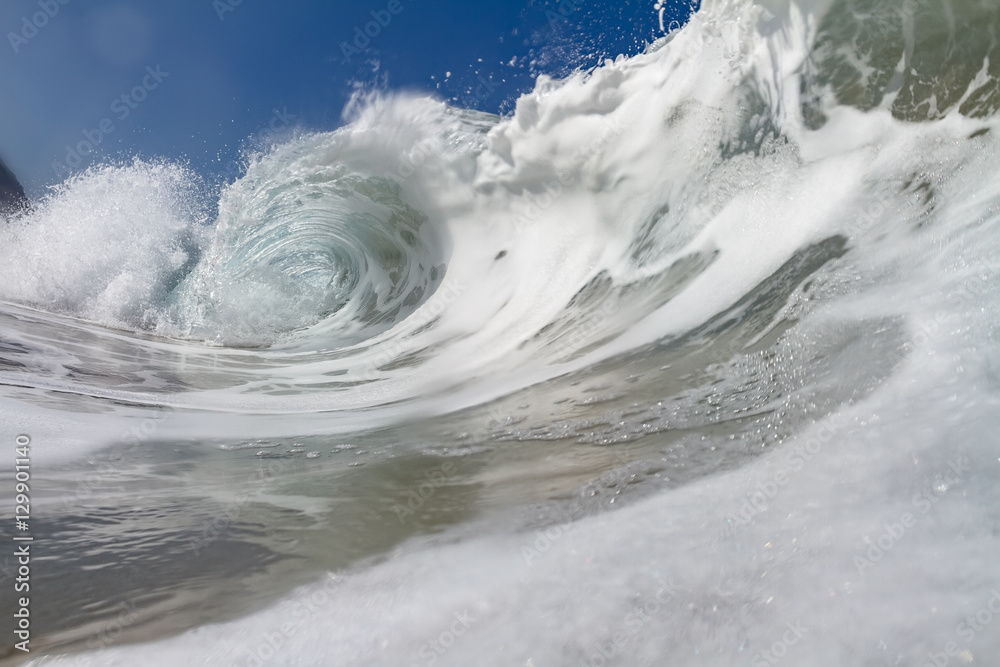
{"points": [[196, 80]]}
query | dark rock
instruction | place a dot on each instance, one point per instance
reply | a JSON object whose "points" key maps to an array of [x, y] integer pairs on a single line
{"points": [[12, 199]]}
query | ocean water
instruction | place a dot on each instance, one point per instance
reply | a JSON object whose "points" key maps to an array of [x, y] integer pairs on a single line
{"points": [[694, 359]]}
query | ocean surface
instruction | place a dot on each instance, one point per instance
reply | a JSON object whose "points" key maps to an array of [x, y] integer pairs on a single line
{"points": [[693, 359]]}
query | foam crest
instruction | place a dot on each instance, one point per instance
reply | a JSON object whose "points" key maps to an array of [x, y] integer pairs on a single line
{"points": [[107, 245]]}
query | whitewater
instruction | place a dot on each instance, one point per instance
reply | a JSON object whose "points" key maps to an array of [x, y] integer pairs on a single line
{"points": [[691, 360]]}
